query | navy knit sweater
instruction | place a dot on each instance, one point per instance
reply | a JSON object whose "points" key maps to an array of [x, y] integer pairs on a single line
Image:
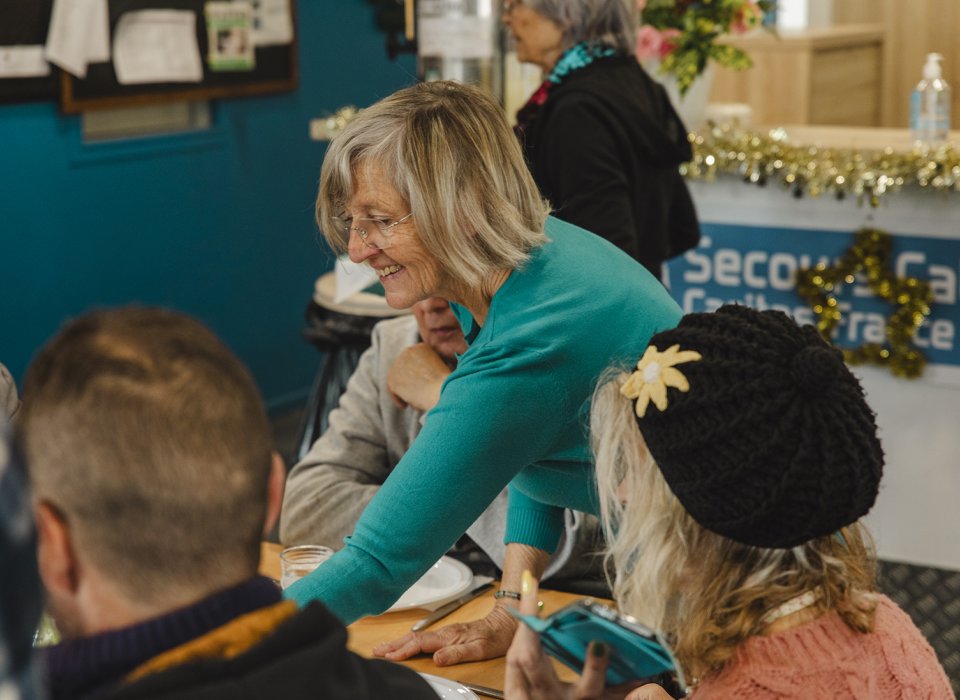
{"points": [[80, 667]]}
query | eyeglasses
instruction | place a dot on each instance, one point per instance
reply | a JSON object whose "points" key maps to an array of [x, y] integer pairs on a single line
{"points": [[384, 227]]}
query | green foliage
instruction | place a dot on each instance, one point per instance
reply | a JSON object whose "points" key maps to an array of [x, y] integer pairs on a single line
{"points": [[687, 32]]}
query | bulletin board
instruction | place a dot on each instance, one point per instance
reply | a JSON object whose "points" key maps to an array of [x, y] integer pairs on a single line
{"points": [[275, 70], [24, 23]]}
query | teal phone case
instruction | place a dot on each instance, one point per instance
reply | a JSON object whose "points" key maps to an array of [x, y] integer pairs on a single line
{"points": [[636, 652]]}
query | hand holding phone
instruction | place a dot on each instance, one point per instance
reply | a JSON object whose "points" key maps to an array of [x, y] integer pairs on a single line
{"points": [[636, 652]]}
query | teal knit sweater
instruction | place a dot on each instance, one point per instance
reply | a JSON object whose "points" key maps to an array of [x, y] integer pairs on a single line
{"points": [[513, 412]]}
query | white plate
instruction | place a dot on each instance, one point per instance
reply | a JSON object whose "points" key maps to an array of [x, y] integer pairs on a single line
{"points": [[445, 580], [449, 690]]}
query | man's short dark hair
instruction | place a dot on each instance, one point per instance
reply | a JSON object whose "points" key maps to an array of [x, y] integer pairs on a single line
{"points": [[149, 437]]}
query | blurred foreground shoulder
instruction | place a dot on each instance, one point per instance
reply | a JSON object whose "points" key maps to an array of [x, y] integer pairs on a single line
{"points": [[304, 657]]}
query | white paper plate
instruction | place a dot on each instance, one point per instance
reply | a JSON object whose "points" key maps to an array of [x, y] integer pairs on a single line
{"points": [[445, 580], [449, 690]]}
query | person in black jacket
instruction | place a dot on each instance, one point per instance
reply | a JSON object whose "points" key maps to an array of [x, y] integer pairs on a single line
{"points": [[153, 474], [601, 138]]}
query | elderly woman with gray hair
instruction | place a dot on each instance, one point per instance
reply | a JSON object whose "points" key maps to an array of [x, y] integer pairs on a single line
{"points": [[429, 188], [600, 136]]}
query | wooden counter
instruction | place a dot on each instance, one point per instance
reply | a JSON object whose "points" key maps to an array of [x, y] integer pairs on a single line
{"points": [[852, 137], [830, 75]]}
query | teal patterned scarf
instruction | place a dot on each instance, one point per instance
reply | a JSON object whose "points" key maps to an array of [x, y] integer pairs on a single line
{"points": [[573, 59]]}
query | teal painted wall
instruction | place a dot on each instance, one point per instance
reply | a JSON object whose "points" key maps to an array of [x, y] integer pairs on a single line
{"points": [[218, 225]]}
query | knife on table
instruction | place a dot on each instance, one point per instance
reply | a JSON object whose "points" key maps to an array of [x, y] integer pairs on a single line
{"points": [[448, 608], [483, 690]]}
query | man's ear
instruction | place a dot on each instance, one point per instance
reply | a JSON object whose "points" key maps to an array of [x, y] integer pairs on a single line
{"points": [[275, 484], [57, 560]]}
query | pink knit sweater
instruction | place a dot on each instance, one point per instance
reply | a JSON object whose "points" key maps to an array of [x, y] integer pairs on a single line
{"points": [[824, 658]]}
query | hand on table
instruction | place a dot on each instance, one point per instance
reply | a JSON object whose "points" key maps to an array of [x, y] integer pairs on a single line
{"points": [[456, 644], [530, 674], [415, 377]]}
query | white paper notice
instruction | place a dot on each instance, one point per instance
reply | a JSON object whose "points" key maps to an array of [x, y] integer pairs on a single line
{"points": [[98, 39], [23, 62], [79, 34], [272, 23], [157, 46], [352, 278], [455, 37]]}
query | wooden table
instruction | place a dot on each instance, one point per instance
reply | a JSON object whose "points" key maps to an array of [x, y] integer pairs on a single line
{"points": [[365, 634]]}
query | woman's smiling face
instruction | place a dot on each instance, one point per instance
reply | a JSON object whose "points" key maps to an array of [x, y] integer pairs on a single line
{"points": [[407, 271]]}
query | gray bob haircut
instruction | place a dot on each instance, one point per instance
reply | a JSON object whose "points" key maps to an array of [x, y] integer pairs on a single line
{"points": [[449, 152], [609, 22]]}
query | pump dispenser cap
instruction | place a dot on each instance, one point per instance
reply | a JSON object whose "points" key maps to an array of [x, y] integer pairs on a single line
{"points": [[931, 69]]}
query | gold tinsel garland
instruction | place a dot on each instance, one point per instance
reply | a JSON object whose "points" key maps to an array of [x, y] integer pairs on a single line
{"points": [[335, 123], [870, 255], [813, 170]]}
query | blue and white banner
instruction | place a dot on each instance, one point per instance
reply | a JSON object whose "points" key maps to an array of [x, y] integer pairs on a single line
{"points": [[756, 265]]}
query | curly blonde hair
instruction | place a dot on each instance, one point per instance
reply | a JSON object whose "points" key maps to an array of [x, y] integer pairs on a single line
{"points": [[705, 592]]}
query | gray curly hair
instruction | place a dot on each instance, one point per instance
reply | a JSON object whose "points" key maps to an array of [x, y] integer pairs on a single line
{"points": [[610, 22]]}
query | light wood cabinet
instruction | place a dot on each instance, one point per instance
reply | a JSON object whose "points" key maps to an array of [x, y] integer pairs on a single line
{"points": [[830, 75], [912, 30]]}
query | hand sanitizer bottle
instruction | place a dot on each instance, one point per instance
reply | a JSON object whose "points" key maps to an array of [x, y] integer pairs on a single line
{"points": [[930, 105]]}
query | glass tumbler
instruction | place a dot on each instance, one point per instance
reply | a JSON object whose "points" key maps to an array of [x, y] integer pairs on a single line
{"points": [[47, 633], [296, 562]]}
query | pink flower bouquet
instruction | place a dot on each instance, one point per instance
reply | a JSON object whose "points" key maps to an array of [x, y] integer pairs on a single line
{"points": [[682, 34]]}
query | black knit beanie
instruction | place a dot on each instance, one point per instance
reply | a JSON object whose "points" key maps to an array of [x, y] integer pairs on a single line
{"points": [[772, 444]]}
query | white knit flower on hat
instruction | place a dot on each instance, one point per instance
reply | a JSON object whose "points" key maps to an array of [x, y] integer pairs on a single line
{"points": [[655, 372]]}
